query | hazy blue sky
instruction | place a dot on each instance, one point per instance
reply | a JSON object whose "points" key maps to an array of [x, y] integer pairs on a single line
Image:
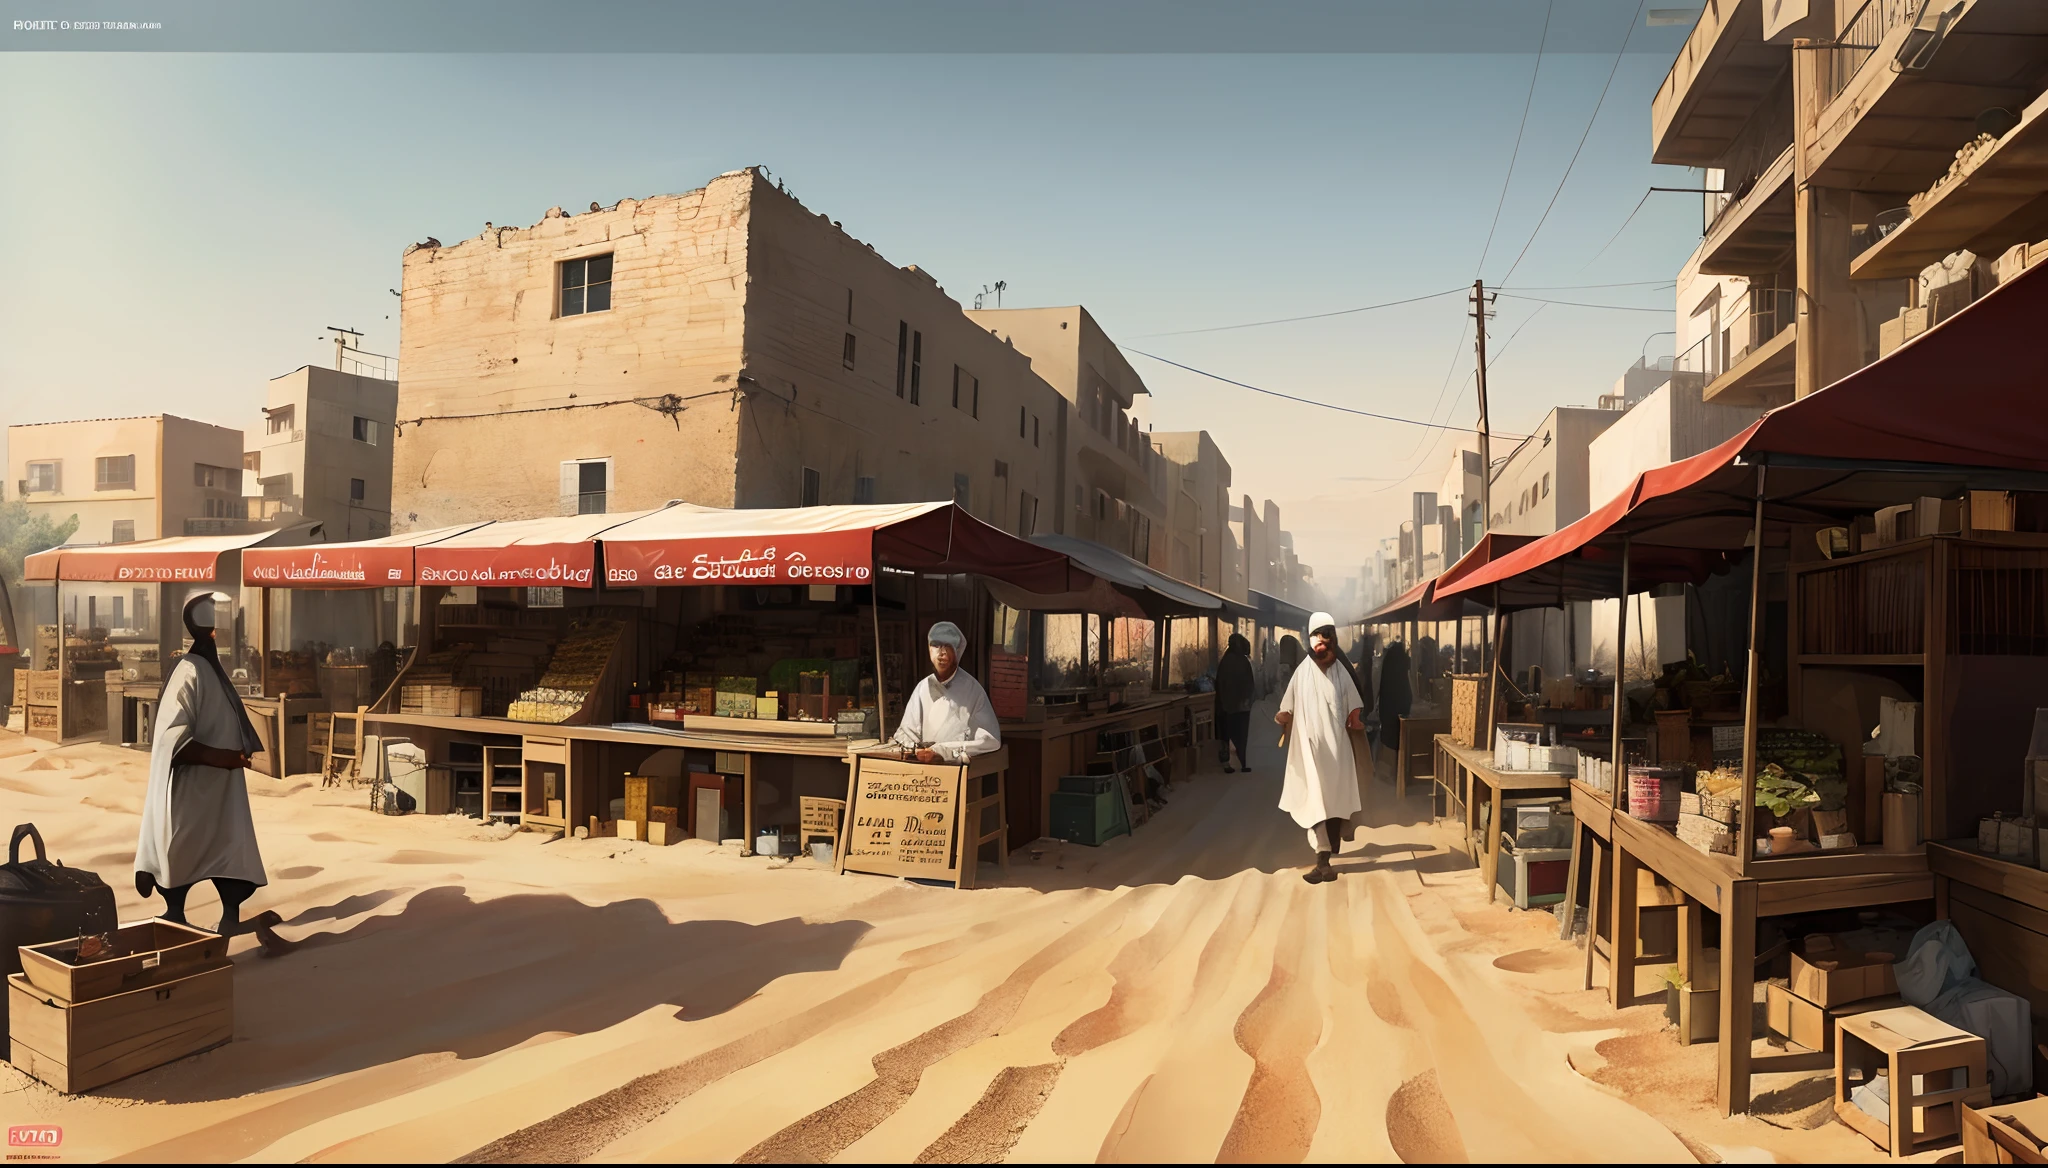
{"points": [[179, 228]]}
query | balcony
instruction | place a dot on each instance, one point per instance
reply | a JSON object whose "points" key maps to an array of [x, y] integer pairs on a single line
{"points": [[1751, 361], [225, 526], [1720, 78], [1755, 233], [1901, 89], [1999, 201]]}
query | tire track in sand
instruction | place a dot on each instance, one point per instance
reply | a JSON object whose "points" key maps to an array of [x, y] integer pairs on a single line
{"points": [[992, 1126], [1276, 1120], [823, 1134]]}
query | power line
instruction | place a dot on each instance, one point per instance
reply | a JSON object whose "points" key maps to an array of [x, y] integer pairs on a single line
{"points": [[1491, 362], [1583, 304], [1292, 319], [1615, 68], [1530, 100], [1617, 231], [1291, 397], [1585, 287]]}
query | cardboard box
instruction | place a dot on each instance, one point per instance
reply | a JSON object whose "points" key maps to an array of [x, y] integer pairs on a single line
{"points": [[663, 834], [1829, 974], [1797, 1019]]}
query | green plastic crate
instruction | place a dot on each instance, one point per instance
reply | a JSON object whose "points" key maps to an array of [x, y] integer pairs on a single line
{"points": [[1090, 819]]}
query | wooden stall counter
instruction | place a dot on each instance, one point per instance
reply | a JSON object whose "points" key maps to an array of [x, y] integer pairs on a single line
{"points": [[1049, 750], [1458, 769]]}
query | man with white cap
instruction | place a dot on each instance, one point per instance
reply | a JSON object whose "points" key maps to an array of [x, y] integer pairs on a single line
{"points": [[195, 814], [948, 717], [1320, 708]]}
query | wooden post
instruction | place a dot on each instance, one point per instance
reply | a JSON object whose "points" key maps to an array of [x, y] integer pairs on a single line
{"points": [[1621, 951], [263, 661], [1738, 992], [1619, 794], [1483, 722], [1601, 875], [1689, 947], [747, 805], [881, 686], [1745, 842], [1571, 884]]}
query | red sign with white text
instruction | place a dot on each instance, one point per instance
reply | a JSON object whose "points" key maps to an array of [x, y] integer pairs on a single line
{"points": [[825, 557], [532, 565], [327, 566]]}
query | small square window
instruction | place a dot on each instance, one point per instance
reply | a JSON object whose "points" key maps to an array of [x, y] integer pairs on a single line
{"points": [[42, 476], [114, 474], [812, 488], [124, 532], [586, 285], [1546, 486], [366, 431], [902, 354], [355, 490], [846, 352], [864, 489]]}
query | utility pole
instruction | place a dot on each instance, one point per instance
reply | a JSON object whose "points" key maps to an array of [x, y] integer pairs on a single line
{"points": [[1480, 301]]}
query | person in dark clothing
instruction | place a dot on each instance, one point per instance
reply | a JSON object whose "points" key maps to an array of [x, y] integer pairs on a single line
{"points": [[1397, 694], [1234, 685]]}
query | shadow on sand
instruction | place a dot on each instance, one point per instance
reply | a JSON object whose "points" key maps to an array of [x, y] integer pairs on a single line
{"points": [[449, 974]]}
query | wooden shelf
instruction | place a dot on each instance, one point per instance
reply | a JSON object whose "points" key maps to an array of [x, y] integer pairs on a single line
{"points": [[1913, 659]]}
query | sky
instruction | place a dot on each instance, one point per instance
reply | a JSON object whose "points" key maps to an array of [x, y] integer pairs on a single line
{"points": [[180, 227]]}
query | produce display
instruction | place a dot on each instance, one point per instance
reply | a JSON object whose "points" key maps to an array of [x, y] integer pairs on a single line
{"points": [[572, 673]]}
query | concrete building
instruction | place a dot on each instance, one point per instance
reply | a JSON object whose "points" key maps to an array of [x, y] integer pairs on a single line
{"points": [[1840, 136], [323, 452], [1543, 484], [1671, 422], [725, 347], [1200, 543], [129, 478], [1116, 487]]}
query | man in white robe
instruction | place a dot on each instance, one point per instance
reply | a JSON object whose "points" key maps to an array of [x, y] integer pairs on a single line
{"points": [[948, 717], [1320, 707], [195, 814]]}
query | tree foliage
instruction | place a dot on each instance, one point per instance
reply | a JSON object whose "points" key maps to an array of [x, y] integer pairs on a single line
{"points": [[23, 533]]}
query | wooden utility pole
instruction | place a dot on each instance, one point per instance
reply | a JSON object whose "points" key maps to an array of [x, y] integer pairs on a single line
{"points": [[1479, 314]]}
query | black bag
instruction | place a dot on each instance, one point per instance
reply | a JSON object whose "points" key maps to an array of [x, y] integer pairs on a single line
{"points": [[42, 902]]}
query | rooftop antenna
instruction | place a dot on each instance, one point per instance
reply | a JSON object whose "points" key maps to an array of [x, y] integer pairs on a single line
{"points": [[996, 290], [341, 342]]}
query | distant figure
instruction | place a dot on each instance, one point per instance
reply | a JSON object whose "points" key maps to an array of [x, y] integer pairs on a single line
{"points": [[195, 812], [1320, 708], [1397, 694], [1426, 659], [1234, 686], [1290, 658], [948, 717]]}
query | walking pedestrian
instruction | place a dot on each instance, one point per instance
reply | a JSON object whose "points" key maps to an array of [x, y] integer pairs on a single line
{"points": [[1319, 710], [1397, 695], [1234, 685]]}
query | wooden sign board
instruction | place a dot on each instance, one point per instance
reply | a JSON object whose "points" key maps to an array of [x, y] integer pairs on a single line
{"points": [[819, 817], [901, 820]]}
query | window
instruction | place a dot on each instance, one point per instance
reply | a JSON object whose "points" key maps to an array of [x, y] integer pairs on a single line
{"points": [[846, 352], [916, 364], [902, 353], [281, 420], [811, 488], [114, 474], [1023, 415], [217, 508], [216, 478], [252, 461], [543, 598], [974, 402], [1546, 486], [124, 532], [366, 431], [962, 491], [1002, 469], [586, 486], [42, 476], [864, 489], [849, 306], [586, 285], [1034, 431], [355, 490]]}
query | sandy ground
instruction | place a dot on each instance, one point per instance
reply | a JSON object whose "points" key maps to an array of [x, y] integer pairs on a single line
{"points": [[464, 994]]}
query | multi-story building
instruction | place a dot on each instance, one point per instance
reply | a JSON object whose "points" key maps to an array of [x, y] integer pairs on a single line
{"points": [[725, 347], [1543, 483], [1871, 164], [1201, 550], [323, 453], [129, 478], [1116, 485]]}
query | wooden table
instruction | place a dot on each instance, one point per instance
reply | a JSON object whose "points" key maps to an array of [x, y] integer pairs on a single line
{"points": [[1465, 766]]}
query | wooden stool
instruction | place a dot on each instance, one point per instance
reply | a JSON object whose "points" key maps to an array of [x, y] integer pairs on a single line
{"points": [[1909, 1043]]}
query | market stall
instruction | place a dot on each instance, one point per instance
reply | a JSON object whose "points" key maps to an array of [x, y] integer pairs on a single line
{"points": [[1943, 490], [104, 628]]}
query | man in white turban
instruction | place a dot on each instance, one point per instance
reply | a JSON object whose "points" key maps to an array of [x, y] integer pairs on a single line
{"points": [[948, 717], [1320, 708]]}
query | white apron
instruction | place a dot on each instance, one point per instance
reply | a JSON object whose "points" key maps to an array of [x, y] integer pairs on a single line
{"points": [[1321, 781], [195, 819]]}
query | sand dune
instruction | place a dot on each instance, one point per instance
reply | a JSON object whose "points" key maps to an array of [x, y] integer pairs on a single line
{"points": [[1177, 995]]}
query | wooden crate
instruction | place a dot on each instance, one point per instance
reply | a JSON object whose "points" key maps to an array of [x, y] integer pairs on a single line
{"points": [[44, 686], [77, 1046], [43, 722], [644, 793], [147, 954], [1906, 1042], [446, 701], [1465, 718]]}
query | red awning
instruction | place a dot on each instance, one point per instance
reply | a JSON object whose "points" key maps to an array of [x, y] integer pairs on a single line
{"points": [[1957, 408], [685, 544], [541, 553], [183, 558], [370, 563], [1421, 603]]}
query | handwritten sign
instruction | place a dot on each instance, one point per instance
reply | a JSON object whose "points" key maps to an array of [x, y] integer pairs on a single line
{"points": [[819, 817], [902, 820]]}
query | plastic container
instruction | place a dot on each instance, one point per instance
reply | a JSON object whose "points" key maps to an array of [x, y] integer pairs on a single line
{"points": [[1653, 793], [821, 851]]}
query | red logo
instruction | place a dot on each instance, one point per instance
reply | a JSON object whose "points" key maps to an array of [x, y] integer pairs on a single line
{"points": [[34, 1136]]}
